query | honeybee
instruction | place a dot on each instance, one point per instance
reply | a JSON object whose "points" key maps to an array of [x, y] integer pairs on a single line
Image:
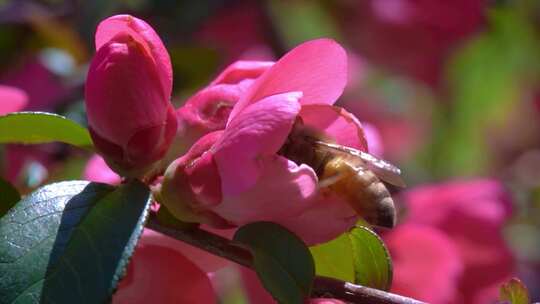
{"points": [[350, 173]]}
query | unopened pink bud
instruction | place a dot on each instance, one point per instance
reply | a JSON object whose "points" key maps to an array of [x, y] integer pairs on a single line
{"points": [[130, 117]]}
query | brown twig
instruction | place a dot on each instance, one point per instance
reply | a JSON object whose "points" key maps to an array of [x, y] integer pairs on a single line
{"points": [[323, 287]]}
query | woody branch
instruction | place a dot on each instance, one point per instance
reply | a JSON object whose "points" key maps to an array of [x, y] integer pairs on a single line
{"points": [[323, 286]]}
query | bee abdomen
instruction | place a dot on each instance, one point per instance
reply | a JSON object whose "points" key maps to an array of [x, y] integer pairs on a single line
{"points": [[370, 198]]}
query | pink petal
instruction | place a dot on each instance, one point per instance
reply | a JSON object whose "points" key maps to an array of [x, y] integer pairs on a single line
{"points": [[96, 170], [260, 130], [427, 265], [488, 259], [192, 183], [327, 217], [156, 271], [471, 214], [205, 261], [336, 123], [204, 180], [282, 190], [145, 34], [254, 289], [374, 139], [483, 199], [241, 70], [317, 68], [208, 110], [12, 99]]}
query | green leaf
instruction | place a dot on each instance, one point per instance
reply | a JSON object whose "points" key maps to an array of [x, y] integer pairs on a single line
{"points": [[40, 128], [372, 262], [515, 292], [282, 261], [335, 259], [9, 196], [358, 255], [70, 242]]}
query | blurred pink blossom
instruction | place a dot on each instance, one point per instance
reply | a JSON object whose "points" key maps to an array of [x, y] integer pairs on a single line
{"points": [[426, 263], [230, 177], [29, 87], [12, 99], [128, 89], [44, 89], [17, 157], [413, 37], [450, 248], [221, 32], [160, 272], [96, 170]]}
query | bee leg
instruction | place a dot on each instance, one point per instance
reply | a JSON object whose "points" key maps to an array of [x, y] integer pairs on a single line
{"points": [[330, 180]]}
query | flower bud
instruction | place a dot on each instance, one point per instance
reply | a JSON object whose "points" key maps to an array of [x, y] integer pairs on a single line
{"points": [[130, 117]]}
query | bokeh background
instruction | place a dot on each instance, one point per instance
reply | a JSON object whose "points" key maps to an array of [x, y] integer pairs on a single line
{"points": [[453, 87]]}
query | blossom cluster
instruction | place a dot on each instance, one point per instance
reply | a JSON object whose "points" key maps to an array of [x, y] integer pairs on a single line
{"points": [[215, 161], [224, 141]]}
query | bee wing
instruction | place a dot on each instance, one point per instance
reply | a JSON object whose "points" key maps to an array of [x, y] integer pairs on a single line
{"points": [[383, 169]]}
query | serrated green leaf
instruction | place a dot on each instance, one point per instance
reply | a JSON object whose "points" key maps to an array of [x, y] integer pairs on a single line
{"points": [[334, 259], [282, 261], [372, 262], [9, 196], [70, 242], [515, 292], [40, 128]]}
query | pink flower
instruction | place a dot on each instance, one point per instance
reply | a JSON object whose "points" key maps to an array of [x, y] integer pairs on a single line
{"points": [[450, 247], [235, 176], [161, 272], [128, 88], [31, 87], [426, 263], [11, 99]]}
